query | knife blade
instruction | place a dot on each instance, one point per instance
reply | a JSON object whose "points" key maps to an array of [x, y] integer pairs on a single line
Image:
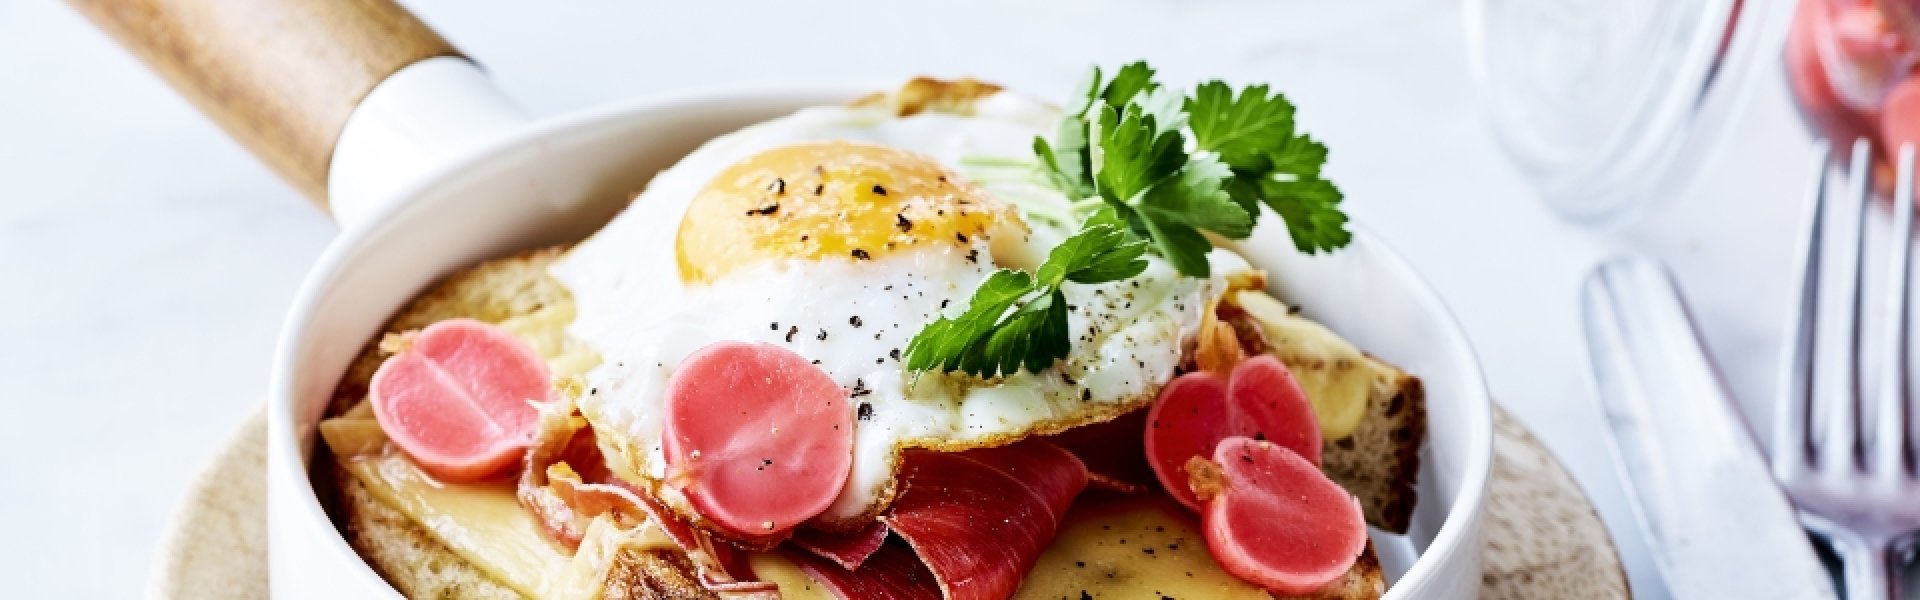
{"points": [[1717, 523]]}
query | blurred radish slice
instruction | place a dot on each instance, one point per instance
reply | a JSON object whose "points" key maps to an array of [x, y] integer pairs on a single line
{"points": [[1821, 102], [1198, 409], [1900, 118], [457, 398], [757, 437], [1273, 519]]}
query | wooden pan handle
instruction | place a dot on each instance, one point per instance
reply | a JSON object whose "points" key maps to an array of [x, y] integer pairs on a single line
{"points": [[280, 76]]}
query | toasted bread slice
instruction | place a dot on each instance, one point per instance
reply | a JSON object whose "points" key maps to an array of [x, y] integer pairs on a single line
{"points": [[929, 95]]}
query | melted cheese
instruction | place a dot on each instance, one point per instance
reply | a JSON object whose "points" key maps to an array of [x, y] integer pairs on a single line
{"points": [[1131, 547], [545, 330], [794, 584], [482, 522], [1336, 376]]}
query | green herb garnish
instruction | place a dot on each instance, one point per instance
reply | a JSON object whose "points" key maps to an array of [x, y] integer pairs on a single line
{"points": [[1123, 146], [1253, 134], [1018, 320]]}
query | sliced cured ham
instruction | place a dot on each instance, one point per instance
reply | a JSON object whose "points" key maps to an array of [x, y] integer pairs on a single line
{"points": [[848, 550], [1273, 519], [1196, 410], [757, 437], [1112, 451], [567, 499], [563, 447], [979, 519], [892, 572], [721, 566], [973, 523], [459, 398]]}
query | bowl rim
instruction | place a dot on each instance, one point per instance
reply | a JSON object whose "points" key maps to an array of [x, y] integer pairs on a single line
{"points": [[284, 455], [1470, 500]]}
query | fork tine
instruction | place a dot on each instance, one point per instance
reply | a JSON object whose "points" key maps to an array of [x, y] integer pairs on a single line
{"points": [[1838, 399], [1792, 429], [1890, 444]]}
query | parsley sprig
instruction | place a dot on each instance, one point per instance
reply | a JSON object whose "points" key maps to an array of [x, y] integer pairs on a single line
{"points": [[1018, 320], [1164, 169], [1126, 142]]}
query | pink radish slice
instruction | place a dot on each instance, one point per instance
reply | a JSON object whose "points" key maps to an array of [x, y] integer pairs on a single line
{"points": [[1265, 391], [757, 437], [1190, 415], [1275, 520], [1199, 409], [457, 399]]}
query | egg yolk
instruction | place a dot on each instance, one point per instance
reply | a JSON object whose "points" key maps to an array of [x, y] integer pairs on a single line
{"points": [[830, 201]]}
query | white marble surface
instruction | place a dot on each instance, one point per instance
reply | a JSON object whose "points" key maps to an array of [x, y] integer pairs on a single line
{"points": [[147, 260]]}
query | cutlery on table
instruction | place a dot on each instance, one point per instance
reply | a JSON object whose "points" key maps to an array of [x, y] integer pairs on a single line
{"points": [[1843, 444], [1717, 524]]}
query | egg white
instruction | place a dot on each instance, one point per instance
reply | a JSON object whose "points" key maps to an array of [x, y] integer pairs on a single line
{"points": [[1128, 336]]}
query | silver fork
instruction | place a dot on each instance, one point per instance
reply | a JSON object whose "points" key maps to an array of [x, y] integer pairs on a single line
{"points": [[1850, 472]]}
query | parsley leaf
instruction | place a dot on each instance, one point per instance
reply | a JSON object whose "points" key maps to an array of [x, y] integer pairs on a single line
{"points": [[1032, 338], [1098, 254], [1127, 82], [950, 343], [1182, 246], [1085, 93], [1241, 129], [1196, 197], [1300, 156], [1310, 208], [1067, 170], [1016, 320], [1066, 161], [1145, 173], [1167, 107], [1253, 133], [1135, 153]]}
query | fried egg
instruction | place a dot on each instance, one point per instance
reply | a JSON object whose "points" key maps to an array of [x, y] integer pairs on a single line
{"points": [[839, 232]]}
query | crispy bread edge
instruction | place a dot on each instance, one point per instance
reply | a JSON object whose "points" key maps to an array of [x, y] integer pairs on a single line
{"points": [[1364, 580]]}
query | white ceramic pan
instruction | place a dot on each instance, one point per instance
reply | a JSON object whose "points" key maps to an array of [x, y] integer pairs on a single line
{"points": [[428, 168]]}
